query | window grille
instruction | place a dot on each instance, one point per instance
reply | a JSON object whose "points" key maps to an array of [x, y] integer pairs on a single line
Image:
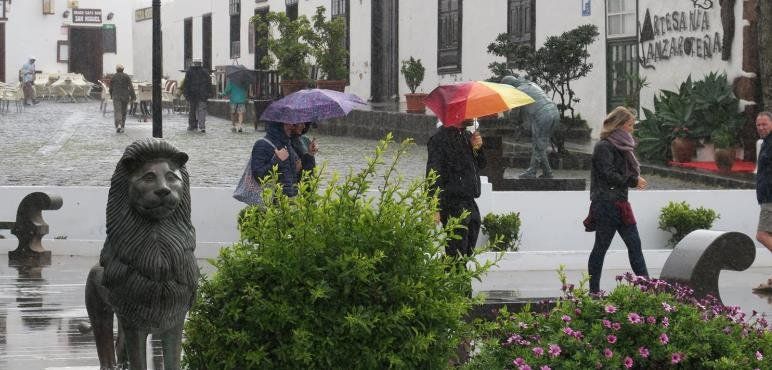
{"points": [[449, 36], [520, 21]]}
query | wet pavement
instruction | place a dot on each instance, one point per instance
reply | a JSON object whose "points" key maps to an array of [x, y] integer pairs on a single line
{"points": [[74, 144]]}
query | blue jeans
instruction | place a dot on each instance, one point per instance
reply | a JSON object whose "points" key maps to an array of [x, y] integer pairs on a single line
{"points": [[604, 233]]}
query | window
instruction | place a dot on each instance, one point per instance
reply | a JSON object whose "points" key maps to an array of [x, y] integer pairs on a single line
{"points": [[622, 62], [187, 35], [621, 18], [235, 29], [520, 21], [206, 41], [449, 37], [292, 9], [339, 9]]}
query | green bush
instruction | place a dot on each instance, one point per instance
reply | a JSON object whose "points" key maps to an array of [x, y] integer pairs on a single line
{"points": [[680, 219], [641, 324], [502, 230], [413, 71], [335, 278]]}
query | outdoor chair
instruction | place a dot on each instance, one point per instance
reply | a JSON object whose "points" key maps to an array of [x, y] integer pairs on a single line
{"points": [[106, 100], [11, 93], [168, 94]]}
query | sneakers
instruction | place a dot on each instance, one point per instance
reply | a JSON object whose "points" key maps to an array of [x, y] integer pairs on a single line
{"points": [[203, 131], [119, 130], [241, 129]]}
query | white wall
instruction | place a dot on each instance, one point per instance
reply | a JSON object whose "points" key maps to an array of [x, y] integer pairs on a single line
{"points": [[668, 74], [31, 33]]}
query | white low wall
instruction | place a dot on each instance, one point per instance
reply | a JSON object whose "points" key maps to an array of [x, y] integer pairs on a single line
{"points": [[552, 232]]}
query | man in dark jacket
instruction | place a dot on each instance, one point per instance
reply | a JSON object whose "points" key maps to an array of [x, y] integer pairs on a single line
{"points": [[764, 187], [121, 91], [197, 88], [456, 156], [275, 149]]}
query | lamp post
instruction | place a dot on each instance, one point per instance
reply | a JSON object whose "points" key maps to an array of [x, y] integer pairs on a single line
{"points": [[157, 69]]}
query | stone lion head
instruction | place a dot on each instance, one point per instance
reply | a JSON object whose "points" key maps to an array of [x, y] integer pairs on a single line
{"points": [[149, 265]]}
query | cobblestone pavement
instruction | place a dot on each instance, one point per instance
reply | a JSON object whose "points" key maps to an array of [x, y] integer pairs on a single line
{"points": [[73, 144]]}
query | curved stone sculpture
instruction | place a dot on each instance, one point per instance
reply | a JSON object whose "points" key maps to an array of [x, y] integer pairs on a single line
{"points": [[697, 260], [30, 228]]}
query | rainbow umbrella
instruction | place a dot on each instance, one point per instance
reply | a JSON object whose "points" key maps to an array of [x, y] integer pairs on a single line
{"points": [[456, 103]]}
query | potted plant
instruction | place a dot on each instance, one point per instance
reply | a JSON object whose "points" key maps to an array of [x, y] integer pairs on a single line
{"points": [[724, 140], [680, 219], [328, 42], [289, 50], [502, 230], [413, 71]]}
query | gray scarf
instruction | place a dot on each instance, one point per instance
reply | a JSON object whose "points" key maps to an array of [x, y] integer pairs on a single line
{"points": [[623, 141]]}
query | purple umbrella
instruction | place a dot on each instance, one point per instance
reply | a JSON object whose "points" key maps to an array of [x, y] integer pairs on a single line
{"points": [[311, 105]]}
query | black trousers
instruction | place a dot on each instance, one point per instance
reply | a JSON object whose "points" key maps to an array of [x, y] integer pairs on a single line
{"points": [[453, 208]]}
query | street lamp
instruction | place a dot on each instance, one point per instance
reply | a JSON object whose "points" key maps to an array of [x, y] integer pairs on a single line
{"points": [[157, 69]]}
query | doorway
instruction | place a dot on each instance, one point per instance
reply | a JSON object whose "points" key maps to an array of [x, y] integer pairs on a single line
{"points": [[86, 52], [385, 51], [2, 51]]}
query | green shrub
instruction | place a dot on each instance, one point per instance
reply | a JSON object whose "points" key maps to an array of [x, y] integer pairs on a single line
{"points": [[641, 324], [680, 219], [413, 71], [335, 278], [502, 230]]}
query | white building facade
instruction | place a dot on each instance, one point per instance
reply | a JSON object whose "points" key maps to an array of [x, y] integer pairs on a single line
{"points": [[84, 36]]}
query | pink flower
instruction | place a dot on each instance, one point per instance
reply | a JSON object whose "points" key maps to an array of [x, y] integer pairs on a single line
{"points": [[518, 361], [577, 311], [634, 318], [665, 322], [568, 331], [667, 307], [545, 367], [566, 318], [651, 320], [538, 351], [676, 358], [610, 308], [524, 367], [606, 323], [616, 326], [628, 362], [554, 350], [663, 338], [611, 338], [759, 356], [644, 352], [608, 353]]}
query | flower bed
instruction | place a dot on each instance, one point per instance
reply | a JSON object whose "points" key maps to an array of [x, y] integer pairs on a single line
{"points": [[641, 324]]}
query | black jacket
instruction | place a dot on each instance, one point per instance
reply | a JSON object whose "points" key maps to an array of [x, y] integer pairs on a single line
{"points": [[197, 85], [764, 172], [458, 166], [607, 175]]}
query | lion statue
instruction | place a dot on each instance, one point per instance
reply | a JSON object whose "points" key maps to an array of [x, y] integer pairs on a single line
{"points": [[147, 273]]}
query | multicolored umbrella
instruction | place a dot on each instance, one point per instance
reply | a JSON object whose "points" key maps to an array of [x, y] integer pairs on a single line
{"points": [[311, 105], [453, 104]]}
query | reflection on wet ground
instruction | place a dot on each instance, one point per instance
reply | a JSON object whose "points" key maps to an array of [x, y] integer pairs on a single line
{"points": [[44, 324]]}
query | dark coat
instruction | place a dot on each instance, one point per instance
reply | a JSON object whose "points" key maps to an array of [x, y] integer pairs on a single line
{"points": [[607, 175], [458, 166], [764, 172], [197, 85], [121, 88], [264, 158]]}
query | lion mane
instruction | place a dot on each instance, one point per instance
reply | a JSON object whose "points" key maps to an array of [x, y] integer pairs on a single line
{"points": [[149, 266]]}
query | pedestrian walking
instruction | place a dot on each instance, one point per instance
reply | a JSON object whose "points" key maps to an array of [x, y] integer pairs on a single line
{"points": [[121, 92], [237, 97], [28, 81], [275, 149], [456, 155], [614, 170], [764, 187], [197, 90]]}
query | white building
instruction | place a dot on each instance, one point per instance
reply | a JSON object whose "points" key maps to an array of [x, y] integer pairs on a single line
{"points": [[82, 36]]}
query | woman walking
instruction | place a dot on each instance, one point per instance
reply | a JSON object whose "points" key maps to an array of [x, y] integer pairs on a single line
{"points": [[614, 170]]}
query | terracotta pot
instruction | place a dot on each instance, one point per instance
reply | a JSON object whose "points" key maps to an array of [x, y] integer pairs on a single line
{"points": [[337, 85], [682, 149], [725, 159], [415, 103], [290, 86]]}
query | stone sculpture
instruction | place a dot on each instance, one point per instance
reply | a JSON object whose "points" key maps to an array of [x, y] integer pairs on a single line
{"points": [[147, 273], [543, 118]]}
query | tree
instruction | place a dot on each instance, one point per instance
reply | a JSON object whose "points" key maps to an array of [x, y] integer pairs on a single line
{"points": [[554, 66]]}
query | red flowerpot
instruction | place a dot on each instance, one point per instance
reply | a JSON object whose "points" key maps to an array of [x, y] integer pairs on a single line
{"points": [[415, 103], [337, 85], [290, 86], [725, 159], [682, 149]]}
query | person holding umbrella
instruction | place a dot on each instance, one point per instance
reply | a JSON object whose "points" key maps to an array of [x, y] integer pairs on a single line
{"points": [[456, 156], [275, 149], [237, 97]]}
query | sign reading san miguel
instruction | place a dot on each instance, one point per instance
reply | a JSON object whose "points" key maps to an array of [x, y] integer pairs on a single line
{"points": [[81, 15], [693, 33]]}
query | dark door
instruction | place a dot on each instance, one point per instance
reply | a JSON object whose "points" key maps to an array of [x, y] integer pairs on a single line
{"points": [[385, 51], [260, 38], [206, 41], [86, 52], [2, 51]]}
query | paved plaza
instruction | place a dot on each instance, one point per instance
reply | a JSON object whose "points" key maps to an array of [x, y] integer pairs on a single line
{"points": [[74, 144]]}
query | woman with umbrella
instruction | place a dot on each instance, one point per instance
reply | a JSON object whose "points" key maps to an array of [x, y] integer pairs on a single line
{"points": [[275, 149]]}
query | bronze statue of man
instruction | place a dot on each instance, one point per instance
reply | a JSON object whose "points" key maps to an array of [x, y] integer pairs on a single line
{"points": [[543, 118], [147, 273]]}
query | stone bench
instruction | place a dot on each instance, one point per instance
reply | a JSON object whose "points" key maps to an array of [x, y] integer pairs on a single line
{"points": [[30, 228]]}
